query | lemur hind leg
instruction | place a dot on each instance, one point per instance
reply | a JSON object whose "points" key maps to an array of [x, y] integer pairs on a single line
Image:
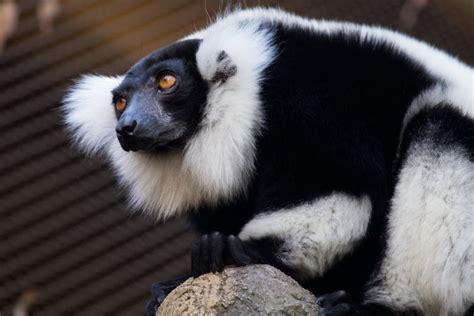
{"points": [[428, 266], [429, 261]]}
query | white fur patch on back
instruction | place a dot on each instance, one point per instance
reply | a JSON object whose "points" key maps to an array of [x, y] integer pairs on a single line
{"points": [[315, 234], [429, 264]]}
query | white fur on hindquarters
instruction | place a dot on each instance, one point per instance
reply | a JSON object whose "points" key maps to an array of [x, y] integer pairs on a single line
{"points": [[429, 264]]}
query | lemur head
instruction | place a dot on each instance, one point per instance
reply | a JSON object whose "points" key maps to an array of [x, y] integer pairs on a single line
{"points": [[160, 101], [180, 127]]}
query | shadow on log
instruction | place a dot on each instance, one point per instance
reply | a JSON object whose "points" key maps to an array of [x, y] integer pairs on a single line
{"points": [[249, 290]]}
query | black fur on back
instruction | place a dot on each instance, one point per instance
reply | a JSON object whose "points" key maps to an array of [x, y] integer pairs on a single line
{"points": [[333, 111]]}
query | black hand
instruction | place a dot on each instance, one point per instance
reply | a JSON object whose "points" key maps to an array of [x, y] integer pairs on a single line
{"points": [[211, 252], [237, 251]]}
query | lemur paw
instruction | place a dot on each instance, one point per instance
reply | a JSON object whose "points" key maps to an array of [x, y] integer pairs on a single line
{"points": [[213, 251], [159, 291], [337, 304], [209, 254]]}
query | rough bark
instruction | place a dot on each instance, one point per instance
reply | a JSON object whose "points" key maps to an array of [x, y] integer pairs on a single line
{"points": [[250, 290]]}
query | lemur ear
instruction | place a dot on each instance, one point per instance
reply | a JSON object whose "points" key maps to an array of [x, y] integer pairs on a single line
{"points": [[226, 68]]}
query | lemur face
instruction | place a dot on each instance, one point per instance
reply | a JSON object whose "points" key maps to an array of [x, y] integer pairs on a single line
{"points": [[160, 101]]}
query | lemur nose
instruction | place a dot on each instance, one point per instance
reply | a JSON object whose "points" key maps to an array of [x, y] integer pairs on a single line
{"points": [[126, 127]]}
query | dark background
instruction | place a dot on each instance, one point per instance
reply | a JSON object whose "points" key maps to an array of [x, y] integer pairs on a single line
{"points": [[65, 230]]}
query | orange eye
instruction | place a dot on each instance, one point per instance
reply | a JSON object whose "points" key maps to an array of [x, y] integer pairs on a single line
{"points": [[121, 104], [167, 82]]}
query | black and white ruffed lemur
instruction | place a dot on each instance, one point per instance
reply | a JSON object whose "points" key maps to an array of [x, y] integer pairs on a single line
{"points": [[341, 154]]}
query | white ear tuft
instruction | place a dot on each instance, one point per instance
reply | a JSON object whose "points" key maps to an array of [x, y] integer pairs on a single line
{"points": [[89, 114]]}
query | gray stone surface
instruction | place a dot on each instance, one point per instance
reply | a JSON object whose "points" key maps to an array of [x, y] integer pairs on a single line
{"points": [[250, 290]]}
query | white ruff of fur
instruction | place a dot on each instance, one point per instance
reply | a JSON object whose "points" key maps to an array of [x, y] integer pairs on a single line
{"points": [[221, 156], [89, 114], [429, 262], [218, 161], [156, 184], [315, 234]]}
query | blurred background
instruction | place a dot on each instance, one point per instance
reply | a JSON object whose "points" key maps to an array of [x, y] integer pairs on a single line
{"points": [[68, 244]]}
